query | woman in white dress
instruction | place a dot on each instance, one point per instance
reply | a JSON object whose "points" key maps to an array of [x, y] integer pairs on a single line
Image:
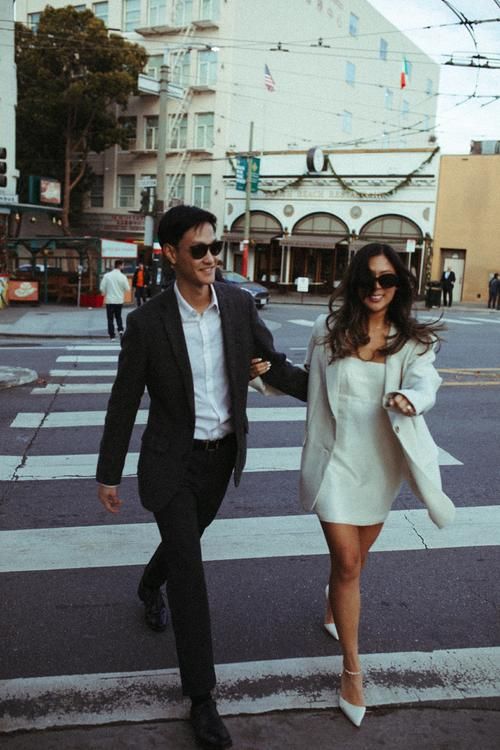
{"points": [[371, 376]]}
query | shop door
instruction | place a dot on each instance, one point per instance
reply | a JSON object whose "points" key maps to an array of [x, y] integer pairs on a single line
{"points": [[455, 260]]}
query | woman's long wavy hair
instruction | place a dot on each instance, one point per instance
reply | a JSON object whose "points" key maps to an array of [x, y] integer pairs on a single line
{"points": [[348, 324]]}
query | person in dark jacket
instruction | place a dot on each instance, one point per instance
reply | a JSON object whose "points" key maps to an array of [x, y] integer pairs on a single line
{"points": [[494, 292], [192, 347], [447, 283]]}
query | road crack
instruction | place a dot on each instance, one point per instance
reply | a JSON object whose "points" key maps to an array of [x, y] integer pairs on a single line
{"points": [[412, 524], [22, 463]]}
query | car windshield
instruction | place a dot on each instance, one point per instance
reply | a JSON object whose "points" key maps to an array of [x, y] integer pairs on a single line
{"points": [[233, 276]]}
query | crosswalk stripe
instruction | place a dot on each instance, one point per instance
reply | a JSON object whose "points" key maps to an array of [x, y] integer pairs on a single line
{"points": [[83, 465], [485, 320], [249, 687], [96, 418], [450, 320], [90, 347], [307, 323], [71, 388], [75, 373], [87, 358], [79, 388], [234, 539]]}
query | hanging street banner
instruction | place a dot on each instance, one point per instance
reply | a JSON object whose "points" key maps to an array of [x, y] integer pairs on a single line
{"points": [[241, 173]]}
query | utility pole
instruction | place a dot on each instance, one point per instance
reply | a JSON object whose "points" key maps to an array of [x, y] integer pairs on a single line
{"points": [[248, 194], [161, 166]]}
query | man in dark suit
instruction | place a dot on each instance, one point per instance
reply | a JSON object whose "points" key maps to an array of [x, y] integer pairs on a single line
{"points": [[192, 348], [447, 284]]}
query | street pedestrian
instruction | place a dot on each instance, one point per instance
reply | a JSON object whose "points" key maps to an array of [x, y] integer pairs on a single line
{"points": [[114, 286], [371, 377], [192, 347], [494, 292], [140, 283], [447, 283]]}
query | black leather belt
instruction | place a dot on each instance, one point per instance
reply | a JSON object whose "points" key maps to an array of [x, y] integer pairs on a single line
{"points": [[211, 445]]}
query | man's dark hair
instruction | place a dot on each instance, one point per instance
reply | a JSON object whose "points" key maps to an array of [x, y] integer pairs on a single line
{"points": [[118, 263], [179, 219]]}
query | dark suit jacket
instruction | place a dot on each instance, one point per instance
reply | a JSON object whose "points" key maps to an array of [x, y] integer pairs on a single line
{"points": [[447, 283], [154, 356]]}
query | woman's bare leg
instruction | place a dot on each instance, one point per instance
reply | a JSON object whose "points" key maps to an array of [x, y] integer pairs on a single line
{"points": [[368, 536], [348, 547]]}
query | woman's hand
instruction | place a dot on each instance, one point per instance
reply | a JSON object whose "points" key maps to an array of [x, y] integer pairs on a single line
{"points": [[401, 402], [258, 367]]}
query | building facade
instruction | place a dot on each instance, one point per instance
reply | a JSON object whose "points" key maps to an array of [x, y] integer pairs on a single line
{"points": [[8, 99], [307, 223], [336, 83], [468, 223]]}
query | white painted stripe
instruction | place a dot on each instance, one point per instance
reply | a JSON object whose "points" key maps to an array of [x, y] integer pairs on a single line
{"points": [[80, 388], [71, 389], [83, 465], [449, 320], [83, 358], [76, 373], [96, 418], [485, 320], [234, 539], [91, 347], [249, 687], [298, 348], [307, 323]]}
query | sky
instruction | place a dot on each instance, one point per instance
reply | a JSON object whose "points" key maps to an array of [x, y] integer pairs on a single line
{"points": [[458, 121]]}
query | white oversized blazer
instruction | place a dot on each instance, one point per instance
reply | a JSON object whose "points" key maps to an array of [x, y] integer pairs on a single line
{"points": [[408, 372]]}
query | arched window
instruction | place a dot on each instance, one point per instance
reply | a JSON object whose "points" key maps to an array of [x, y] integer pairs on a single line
{"points": [[320, 223], [391, 227], [261, 223]]}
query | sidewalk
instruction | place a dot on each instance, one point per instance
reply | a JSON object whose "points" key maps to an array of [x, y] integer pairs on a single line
{"points": [[460, 726]]}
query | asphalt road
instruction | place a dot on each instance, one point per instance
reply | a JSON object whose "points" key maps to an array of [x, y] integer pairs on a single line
{"points": [[69, 608]]}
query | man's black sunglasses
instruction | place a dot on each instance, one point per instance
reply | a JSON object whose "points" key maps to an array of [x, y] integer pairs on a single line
{"points": [[199, 250], [386, 281]]}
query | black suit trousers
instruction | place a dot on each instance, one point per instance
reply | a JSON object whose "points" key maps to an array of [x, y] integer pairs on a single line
{"points": [[178, 561]]}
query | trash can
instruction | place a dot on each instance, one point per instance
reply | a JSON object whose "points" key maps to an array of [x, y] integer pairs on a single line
{"points": [[433, 294]]}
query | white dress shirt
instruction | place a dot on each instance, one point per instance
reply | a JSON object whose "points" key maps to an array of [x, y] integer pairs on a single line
{"points": [[205, 345]]}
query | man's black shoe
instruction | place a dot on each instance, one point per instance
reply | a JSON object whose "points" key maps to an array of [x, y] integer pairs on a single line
{"points": [[208, 726], [155, 610]]}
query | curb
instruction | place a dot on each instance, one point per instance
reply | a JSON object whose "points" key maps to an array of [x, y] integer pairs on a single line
{"points": [[10, 377]]}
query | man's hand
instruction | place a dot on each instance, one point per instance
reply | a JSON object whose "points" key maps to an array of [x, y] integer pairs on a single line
{"points": [[109, 498], [258, 367]]}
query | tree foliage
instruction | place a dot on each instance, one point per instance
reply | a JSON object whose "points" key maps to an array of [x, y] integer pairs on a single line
{"points": [[74, 80]]}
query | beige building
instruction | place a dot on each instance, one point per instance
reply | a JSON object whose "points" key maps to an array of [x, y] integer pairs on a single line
{"points": [[467, 228], [334, 84]]}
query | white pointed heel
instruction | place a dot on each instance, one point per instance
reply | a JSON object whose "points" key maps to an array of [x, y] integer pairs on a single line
{"points": [[355, 714], [330, 627]]}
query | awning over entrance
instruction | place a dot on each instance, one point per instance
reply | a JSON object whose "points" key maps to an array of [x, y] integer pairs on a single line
{"points": [[263, 238], [311, 240]]}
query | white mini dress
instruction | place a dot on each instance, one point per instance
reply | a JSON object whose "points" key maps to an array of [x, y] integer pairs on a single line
{"points": [[367, 465]]}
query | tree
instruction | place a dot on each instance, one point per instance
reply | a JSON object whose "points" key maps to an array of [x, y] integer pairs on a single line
{"points": [[74, 79]]}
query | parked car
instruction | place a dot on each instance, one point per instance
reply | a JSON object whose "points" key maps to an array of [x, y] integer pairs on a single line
{"points": [[258, 292], [27, 268]]}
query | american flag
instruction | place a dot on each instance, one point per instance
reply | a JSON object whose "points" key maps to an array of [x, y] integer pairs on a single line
{"points": [[268, 79]]}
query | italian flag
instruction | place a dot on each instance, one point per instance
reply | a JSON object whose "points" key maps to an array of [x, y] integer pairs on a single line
{"points": [[405, 69]]}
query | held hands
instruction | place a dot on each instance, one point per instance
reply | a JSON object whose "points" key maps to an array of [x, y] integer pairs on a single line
{"points": [[400, 402], [109, 498], [258, 367]]}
